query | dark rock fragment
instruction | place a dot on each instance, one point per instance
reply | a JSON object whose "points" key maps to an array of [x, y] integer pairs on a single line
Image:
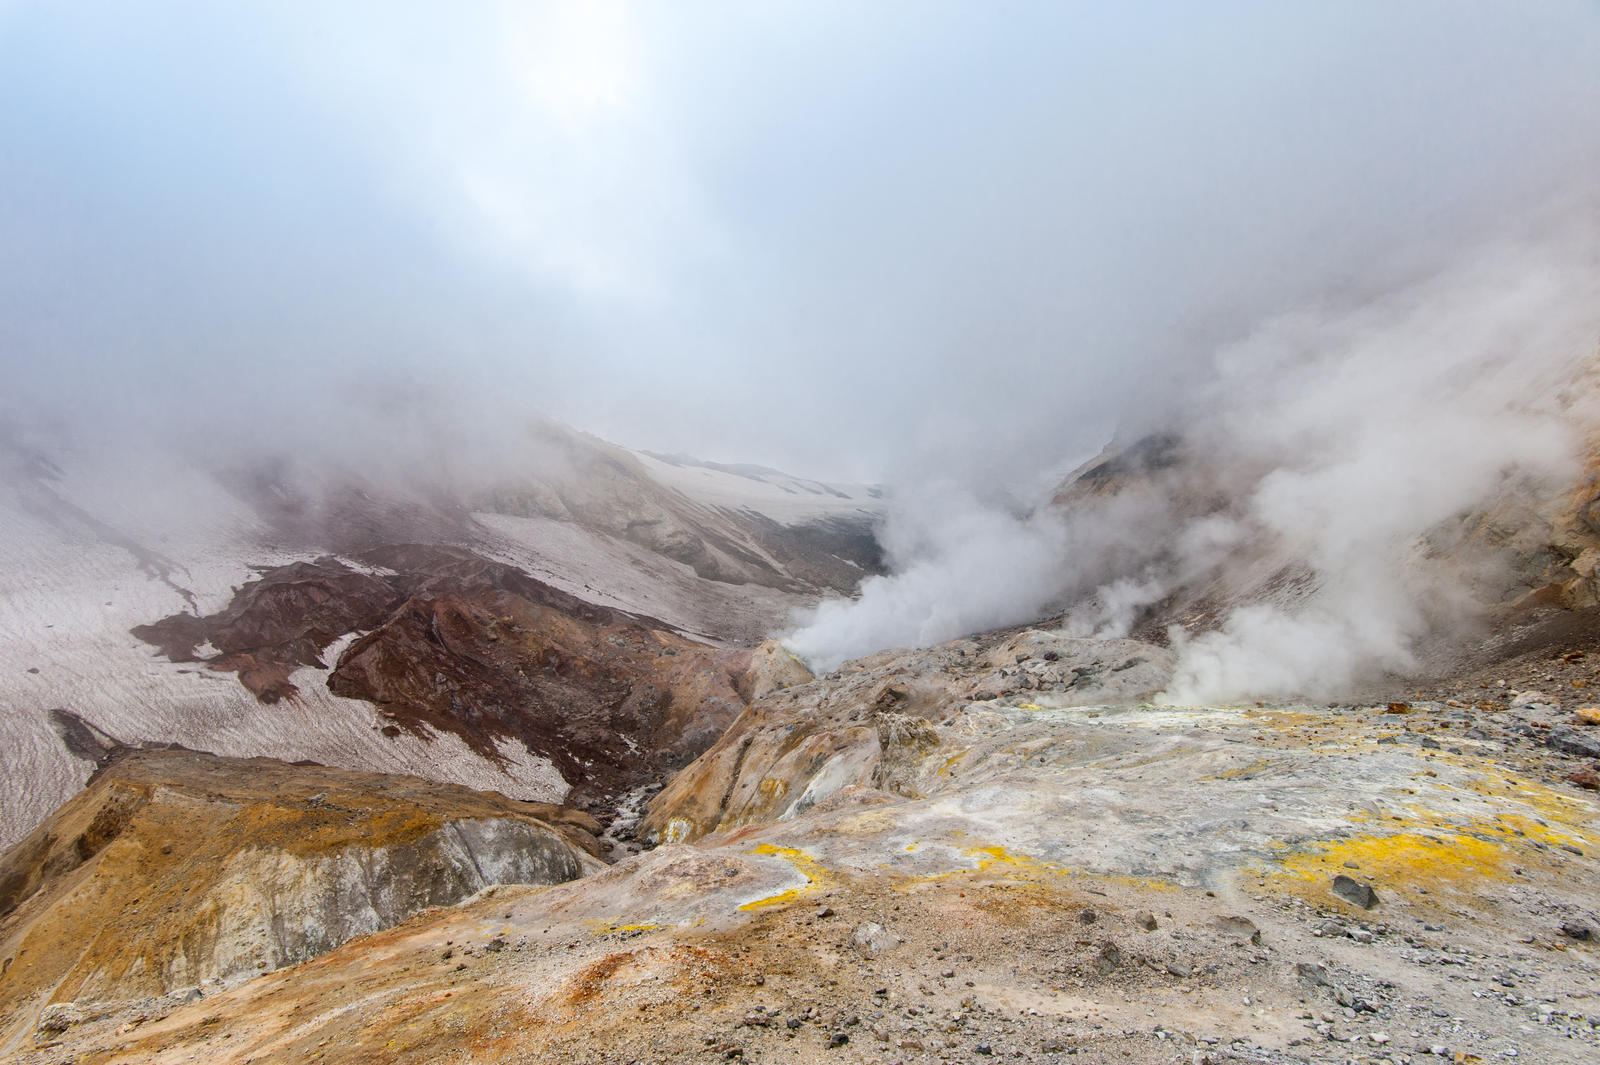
{"points": [[1312, 973], [1570, 742], [1354, 891]]}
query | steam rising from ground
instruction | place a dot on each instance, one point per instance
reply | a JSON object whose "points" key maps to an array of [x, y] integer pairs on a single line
{"points": [[1375, 427], [1314, 464], [944, 245]]}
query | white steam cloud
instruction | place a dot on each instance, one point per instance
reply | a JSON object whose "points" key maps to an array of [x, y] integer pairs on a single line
{"points": [[1325, 447], [932, 244], [959, 566]]}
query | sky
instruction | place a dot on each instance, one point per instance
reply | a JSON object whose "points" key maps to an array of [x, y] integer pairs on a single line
{"points": [[881, 241]]}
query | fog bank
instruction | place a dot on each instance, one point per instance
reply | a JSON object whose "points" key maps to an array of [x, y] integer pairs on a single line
{"points": [[954, 248]]}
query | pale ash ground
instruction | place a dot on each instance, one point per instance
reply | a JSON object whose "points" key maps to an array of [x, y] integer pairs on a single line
{"points": [[1083, 884]]}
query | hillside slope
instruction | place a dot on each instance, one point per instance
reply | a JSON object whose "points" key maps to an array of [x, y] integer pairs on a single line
{"points": [[959, 860], [175, 874], [273, 562]]}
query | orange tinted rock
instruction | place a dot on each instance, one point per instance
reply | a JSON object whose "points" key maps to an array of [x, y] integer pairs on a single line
{"points": [[174, 868]]}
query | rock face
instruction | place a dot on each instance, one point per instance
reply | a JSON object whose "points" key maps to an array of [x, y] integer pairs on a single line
{"points": [[455, 643], [175, 868], [872, 723], [772, 667]]}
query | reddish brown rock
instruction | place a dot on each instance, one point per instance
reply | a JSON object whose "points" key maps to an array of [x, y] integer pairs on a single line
{"points": [[278, 623], [457, 643]]}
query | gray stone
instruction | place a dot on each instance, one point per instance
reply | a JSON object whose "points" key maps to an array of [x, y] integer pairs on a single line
{"points": [[1312, 973], [1241, 929], [1577, 930], [59, 1016], [1354, 891], [1582, 744], [871, 938]]}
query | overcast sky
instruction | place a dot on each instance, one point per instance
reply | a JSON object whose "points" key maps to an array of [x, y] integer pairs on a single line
{"points": [[852, 239]]}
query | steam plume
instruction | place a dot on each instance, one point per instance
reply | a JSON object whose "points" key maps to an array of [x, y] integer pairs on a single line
{"points": [[1320, 454]]}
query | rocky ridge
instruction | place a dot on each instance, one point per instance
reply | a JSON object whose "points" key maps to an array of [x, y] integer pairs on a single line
{"points": [[176, 874], [871, 723], [730, 524]]}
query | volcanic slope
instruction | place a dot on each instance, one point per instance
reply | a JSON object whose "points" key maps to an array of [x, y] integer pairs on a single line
{"points": [[176, 873], [728, 523], [454, 644], [993, 849], [95, 544]]}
